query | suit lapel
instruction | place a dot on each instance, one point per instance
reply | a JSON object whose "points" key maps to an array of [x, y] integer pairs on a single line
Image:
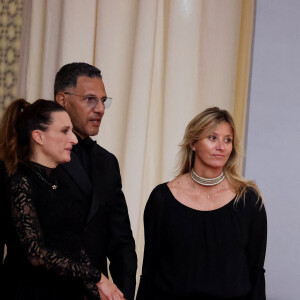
{"points": [[77, 172]]}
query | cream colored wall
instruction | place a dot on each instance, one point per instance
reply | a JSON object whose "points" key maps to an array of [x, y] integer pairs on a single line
{"points": [[273, 141]]}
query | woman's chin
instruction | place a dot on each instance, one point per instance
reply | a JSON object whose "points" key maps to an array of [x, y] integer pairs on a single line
{"points": [[65, 160]]}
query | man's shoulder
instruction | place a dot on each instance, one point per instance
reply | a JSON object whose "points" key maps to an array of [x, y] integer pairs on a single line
{"points": [[107, 155], [102, 150]]}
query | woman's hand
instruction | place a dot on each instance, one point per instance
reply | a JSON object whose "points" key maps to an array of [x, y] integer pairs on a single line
{"points": [[108, 290]]}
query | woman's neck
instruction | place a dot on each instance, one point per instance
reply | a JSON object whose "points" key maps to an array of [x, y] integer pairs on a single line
{"points": [[208, 172], [44, 161]]}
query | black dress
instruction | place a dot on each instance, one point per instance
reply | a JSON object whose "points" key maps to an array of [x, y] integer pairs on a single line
{"points": [[203, 255], [45, 259]]}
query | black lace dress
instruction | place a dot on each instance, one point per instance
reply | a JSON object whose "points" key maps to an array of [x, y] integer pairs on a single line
{"points": [[45, 258]]}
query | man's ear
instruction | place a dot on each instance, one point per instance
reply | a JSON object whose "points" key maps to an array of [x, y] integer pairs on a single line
{"points": [[61, 99], [37, 136]]}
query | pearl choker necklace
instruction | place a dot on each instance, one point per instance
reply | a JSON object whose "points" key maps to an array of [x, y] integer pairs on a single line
{"points": [[207, 181]]}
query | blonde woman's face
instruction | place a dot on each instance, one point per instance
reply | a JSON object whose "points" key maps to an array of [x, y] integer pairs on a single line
{"points": [[213, 151]]}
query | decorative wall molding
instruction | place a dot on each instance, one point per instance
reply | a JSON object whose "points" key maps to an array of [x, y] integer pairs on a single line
{"points": [[10, 42]]}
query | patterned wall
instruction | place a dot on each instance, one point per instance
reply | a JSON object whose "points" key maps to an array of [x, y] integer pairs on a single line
{"points": [[10, 42]]}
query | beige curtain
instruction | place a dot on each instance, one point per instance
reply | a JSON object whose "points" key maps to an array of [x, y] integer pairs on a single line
{"points": [[243, 68], [163, 61]]}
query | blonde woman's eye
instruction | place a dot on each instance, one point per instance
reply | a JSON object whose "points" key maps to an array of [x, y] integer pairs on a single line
{"points": [[228, 141], [212, 137]]}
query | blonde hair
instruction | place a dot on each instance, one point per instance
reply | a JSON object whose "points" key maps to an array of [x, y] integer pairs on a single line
{"points": [[201, 125]]}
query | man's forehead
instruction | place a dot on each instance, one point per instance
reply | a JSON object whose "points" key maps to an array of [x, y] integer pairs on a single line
{"points": [[85, 81]]}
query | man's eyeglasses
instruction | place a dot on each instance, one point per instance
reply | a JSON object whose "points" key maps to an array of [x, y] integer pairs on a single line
{"points": [[92, 100]]}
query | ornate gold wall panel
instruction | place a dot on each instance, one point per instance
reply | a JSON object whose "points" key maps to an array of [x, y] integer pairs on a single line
{"points": [[10, 42]]}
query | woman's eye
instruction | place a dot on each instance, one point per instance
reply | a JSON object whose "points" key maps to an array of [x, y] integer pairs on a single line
{"points": [[212, 137], [228, 141]]}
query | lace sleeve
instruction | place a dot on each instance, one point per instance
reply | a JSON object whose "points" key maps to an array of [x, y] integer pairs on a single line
{"points": [[90, 286], [25, 220]]}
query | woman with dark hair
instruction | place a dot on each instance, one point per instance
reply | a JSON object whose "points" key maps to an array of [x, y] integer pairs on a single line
{"points": [[44, 236], [206, 230]]}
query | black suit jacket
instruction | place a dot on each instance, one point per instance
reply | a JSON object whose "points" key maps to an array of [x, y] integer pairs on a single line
{"points": [[107, 231]]}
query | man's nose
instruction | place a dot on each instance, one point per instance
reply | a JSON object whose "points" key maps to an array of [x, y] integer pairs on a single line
{"points": [[99, 108]]}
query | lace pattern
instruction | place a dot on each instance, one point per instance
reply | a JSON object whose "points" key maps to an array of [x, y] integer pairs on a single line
{"points": [[30, 233]]}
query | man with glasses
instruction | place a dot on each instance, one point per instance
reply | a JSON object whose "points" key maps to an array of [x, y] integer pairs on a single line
{"points": [[92, 179]]}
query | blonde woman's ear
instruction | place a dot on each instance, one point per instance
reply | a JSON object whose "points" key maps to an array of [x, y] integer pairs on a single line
{"points": [[192, 146]]}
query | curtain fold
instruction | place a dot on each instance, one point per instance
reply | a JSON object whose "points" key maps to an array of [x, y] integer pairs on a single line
{"points": [[243, 69], [162, 62]]}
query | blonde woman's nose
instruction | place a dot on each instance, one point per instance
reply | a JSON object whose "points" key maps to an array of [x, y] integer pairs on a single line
{"points": [[220, 145]]}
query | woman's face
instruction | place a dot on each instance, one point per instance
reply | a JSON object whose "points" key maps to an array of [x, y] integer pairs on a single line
{"points": [[213, 151], [58, 139]]}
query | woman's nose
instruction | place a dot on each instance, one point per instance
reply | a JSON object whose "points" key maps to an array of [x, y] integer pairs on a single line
{"points": [[220, 145], [74, 139]]}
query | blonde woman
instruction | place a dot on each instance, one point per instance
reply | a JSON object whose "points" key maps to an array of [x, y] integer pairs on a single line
{"points": [[206, 230]]}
